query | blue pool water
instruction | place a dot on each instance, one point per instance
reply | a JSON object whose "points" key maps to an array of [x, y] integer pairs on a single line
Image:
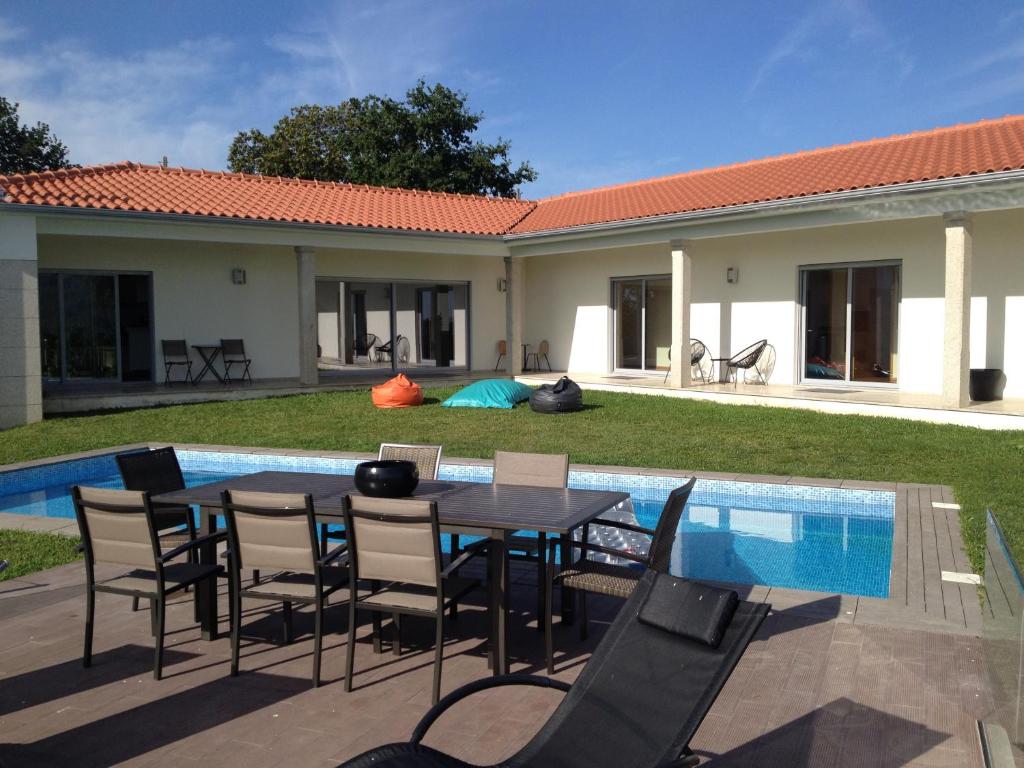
{"points": [[821, 539]]}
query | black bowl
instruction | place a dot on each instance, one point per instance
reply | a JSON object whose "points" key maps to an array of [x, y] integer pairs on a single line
{"points": [[389, 479]]}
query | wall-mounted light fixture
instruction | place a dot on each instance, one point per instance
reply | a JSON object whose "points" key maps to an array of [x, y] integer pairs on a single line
{"points": [[732, 275], [502, 285], [238, 276]]}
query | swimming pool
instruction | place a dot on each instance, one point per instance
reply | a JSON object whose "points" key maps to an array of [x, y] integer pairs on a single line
{"points": [[802, 537]]}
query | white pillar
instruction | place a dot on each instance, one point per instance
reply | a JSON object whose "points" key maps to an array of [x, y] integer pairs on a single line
{"points": [[306, 262], [21, 386], [957, 326], [515, 291], [682, 269]]}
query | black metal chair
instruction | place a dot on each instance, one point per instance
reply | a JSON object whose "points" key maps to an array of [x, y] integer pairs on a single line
{"points": [[587, 575], [277, 532], [232, 352], [119, 527], [641, 697], [698, 349], [158, 471], [384, 352], [395, 544], [745, 360], [175, 352]]}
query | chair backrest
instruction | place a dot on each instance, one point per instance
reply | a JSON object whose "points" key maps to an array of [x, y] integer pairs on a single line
{"points": [[232, 349], [643, 693], [174, 348], [156, 471], [697, 351], [502, 347], [271, 531], [543, 348], [116, 527], [747, 358], [427, 458], [545, 470], [659, 555], [393, 540]]}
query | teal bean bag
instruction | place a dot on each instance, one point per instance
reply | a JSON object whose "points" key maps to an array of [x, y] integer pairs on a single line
{"points": [[489, 393]]}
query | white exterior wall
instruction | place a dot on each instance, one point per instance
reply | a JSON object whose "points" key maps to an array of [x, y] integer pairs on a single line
{"points": [[193, 296], [569, 295]]}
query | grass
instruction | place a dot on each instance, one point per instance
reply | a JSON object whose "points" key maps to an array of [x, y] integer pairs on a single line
{"points": [[28, 551], [985, 468]]}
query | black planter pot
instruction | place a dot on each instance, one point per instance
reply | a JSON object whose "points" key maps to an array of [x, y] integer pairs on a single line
{"points": [[388, 479], [985, 383]]}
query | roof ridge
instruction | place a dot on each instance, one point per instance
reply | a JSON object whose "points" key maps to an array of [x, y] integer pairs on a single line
{"points": [[897, 137], [181, 170]]}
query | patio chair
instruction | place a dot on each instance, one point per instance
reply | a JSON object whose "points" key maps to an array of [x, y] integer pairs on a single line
{"points": [[119, 527], [157, 471], [396, 545], [585, 575], [698, 349], [364, 345], [427, 459], [542, 352], [537, 469], [745, 360], [277, 532], [232, 352], [502, 352], [175, 353], [384, 351], [641, 697]]}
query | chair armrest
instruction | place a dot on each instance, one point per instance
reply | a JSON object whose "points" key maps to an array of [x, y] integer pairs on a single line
{"points": [[209, 538], [624, 526], [475, 687], [333, 555], [468, 553], [588, 547]]}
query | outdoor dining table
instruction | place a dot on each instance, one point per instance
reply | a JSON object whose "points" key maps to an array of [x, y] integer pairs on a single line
{"points": [[474, 509], [209, 354]]}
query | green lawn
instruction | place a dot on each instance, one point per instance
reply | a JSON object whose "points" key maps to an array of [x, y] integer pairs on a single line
{"points": [[986, 469], [29, 552]]}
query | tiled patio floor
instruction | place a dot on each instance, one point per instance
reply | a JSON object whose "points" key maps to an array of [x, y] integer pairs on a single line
{"points": [[812, 690]]}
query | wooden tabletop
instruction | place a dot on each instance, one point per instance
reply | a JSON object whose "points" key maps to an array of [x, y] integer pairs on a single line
{"points": [[473, 505]]}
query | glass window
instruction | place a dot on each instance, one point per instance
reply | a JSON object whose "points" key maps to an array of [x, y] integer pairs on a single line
{"points": [[49, 326]]}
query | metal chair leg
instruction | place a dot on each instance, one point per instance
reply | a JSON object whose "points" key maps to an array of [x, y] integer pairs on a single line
{"points": [[549, 578], [396, 635], [318, 640], [235, 599], [90, 612], [287, 615], [438, 656], [350, 651], [158, 656]]}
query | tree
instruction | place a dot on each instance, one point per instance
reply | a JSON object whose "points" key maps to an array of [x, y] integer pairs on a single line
{"points": [[25, 149], [425, 142]]}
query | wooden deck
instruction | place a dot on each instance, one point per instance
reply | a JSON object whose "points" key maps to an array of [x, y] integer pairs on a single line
{"points": [[812, 690]]}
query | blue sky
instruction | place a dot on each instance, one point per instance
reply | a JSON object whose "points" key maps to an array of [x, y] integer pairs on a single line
{"points": [[591, 92]]}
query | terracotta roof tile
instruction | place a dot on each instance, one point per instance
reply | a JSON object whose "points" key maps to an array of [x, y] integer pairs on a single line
{"points": [[963, 150], [985, 147], [154, 189]]}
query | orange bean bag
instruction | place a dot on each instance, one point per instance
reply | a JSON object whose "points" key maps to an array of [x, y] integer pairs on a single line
{"points": [[398, 392]]}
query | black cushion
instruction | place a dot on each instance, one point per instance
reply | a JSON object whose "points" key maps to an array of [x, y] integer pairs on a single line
{"points": [[686, 608]]}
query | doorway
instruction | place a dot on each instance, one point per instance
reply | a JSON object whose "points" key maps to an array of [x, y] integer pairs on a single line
{"points": [[850, 324]]}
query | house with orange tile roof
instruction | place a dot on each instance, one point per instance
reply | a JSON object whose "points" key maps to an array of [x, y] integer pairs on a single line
{"points": [[891, 267]]}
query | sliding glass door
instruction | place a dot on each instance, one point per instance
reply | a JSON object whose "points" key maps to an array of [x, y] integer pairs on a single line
{"points": [[851, 323], [643, 323], [391, 325], [95, 326]]}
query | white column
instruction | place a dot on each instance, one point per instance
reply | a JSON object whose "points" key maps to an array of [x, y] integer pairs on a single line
{"points": [[21, 387], [957, 326], [515, 292], [682, 269], [306, 262]]}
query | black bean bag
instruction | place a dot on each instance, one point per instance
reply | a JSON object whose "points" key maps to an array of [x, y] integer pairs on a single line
{"points": [[563, 396]]}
